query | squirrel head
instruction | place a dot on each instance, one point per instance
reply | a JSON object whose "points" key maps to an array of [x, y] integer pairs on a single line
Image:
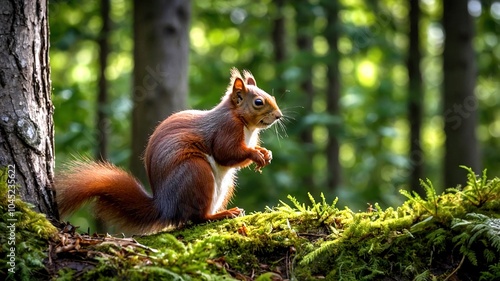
{"points": [[256, 108]]}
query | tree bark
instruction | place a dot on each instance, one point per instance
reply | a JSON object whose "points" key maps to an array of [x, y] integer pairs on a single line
{"points": [[333, 95], [161, 39], [279, 33], [278, 37], [304, 43], [26, 124], [102, 96], [415, 100], [460, 105], [102, 121]]}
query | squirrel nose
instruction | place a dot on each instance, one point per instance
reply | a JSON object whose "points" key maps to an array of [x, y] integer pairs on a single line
{"points": [[278, 115]]}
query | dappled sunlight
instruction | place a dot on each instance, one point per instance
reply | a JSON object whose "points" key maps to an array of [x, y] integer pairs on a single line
{"points": [[198, 40], [347, 155], [367, 74]]}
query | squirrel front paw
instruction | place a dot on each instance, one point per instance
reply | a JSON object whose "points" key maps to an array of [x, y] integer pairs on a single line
{"points": [[262, 158]]}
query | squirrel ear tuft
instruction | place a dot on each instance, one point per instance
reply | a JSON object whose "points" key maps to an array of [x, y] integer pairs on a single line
{"points": [[250, 80], [235, 73], [238, 90]]}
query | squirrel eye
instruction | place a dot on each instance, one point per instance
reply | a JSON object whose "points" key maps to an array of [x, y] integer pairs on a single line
{"points": [[258, 102]]}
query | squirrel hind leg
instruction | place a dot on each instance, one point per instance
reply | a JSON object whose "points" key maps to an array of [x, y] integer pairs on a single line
{"points": [[186, 194]]}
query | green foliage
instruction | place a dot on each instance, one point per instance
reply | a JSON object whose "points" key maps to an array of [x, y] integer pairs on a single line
{"points": [[430, 204], [416, 241], [397, 242], [478, 232], [479, 191], [492, 273], [24, 235], [171, 260], [323, 210], [74, 31]]}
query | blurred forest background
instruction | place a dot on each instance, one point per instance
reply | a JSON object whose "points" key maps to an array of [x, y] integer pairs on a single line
{"points": [[362, 89]]}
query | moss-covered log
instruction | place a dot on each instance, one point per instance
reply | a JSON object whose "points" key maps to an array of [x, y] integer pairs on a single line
{"points": [[452, 236]]}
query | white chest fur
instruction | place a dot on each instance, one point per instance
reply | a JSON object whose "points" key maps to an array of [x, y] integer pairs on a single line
{"points": [[251, 137], [224, 176]]}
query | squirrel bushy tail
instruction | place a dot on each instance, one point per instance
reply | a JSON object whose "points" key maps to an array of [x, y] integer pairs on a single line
{"points": [[119, 197]]}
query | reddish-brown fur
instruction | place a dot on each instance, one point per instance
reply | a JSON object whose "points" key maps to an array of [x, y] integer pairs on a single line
{"points": [[185, 183]]}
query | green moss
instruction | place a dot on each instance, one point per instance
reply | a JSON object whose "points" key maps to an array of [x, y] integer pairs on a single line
{"points": [[442, 236], [240, 241], [24, 234]]}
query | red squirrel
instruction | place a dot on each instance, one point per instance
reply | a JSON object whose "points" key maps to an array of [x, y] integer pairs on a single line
{"points": [[191, 160]]}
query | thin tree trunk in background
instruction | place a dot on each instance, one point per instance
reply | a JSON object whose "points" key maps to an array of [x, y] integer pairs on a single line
{"points": [[279, 33], [102, 97], [333, 95], [278, 37], [460, 105], [304, 43], [415, 100], [26, 124], [161, 48], [304, 21]]}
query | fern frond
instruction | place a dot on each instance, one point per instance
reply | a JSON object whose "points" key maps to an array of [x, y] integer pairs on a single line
{"points": [[430, 191], [480, 191], [478, 228], [489, 255], [471, 255], [493, 273], [438, 238], [430, 204], [424, 276], [412, 196], [494, 233]]}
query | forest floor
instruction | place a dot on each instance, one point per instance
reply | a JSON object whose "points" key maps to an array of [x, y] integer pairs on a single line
{"points": [[450, 236]]}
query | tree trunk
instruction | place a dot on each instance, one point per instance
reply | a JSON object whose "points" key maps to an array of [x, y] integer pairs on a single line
{"points": [[333, 95], [460, 105], [161, 40], [102, 96], [278, 37], [26, 124], [279, 33], [415, 100], [304, 23], [102, 121]]}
